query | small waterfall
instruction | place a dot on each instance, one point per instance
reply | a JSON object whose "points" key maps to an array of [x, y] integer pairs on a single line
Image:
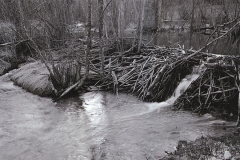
{"points": [[183, 85]]}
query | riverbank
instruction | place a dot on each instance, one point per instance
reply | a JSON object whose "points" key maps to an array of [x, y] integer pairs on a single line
{"points": [[226, 146], [33, 77], [8, 61]]}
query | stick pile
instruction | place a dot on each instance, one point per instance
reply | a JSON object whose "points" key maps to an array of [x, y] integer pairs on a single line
{"points": [[152, 75], [214, 91], [155, 72]]}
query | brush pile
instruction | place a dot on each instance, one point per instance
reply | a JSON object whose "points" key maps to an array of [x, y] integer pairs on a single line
{"points": [[64, 75], [214, 91], [152, 74]]}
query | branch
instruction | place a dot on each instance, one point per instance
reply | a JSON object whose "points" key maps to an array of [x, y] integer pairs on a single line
{"points": [[227, 23], [216, 39], [6, 44], [16, 42], [107, 6], [221, 35]]}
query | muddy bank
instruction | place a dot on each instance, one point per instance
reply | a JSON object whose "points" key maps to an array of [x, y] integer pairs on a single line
{"points": [[226, 146], [33, 77]]}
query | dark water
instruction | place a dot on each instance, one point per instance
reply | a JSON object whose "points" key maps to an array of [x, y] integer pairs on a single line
{"points": [[95, 125], [197, 41]]}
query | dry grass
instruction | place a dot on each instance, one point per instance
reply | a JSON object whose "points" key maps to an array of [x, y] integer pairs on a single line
{"points": [[4, 66], [34, 77], [65, 74], [8, 60]]}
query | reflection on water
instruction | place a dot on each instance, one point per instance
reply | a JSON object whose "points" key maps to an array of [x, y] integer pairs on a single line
{"points": [[174, 39], [94, 108], [90, 126]]}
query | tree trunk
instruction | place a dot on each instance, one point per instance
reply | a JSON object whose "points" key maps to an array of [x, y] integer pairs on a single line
{"points": [[238, 120], [141, 26], [158, 13], [238, 86], [89, 38], [14, 12], [101, 52], [115, 18], [89, 45], [121, 24], [191, 23]]}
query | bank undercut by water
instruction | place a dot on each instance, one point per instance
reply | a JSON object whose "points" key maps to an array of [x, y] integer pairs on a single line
{"points": [[33, 77]]}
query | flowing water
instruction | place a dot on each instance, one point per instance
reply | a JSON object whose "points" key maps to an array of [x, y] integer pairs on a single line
{"points": [[95, 125]]}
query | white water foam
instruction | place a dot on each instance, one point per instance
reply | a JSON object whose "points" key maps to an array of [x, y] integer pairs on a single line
{"points": [[183, 85]]}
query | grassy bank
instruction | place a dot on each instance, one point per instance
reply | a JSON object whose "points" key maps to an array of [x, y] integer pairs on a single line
{"points": [[33, 77]]}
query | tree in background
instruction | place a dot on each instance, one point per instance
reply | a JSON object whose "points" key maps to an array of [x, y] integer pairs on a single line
{"points": [[89, 45], [101, 18], [141, 25], [48, 22]]}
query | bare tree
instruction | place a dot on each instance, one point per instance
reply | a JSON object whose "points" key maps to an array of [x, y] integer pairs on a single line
{"points": [[192, 21], [158, 14], [81, 82], [13, 13], [101, 17], [141, 25], [89, 45]]}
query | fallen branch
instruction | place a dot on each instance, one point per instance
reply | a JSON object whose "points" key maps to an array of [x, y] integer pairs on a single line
{"points": [[216, 39]]}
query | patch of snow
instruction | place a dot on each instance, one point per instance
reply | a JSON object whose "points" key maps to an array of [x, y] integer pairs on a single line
{"points": [[227, 155]]}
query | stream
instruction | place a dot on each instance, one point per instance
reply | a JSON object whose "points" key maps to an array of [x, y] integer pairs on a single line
{"points": [[94, 125]]}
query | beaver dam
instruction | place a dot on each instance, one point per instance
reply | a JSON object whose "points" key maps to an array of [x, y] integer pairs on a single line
{"points": [[152, 75]]}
